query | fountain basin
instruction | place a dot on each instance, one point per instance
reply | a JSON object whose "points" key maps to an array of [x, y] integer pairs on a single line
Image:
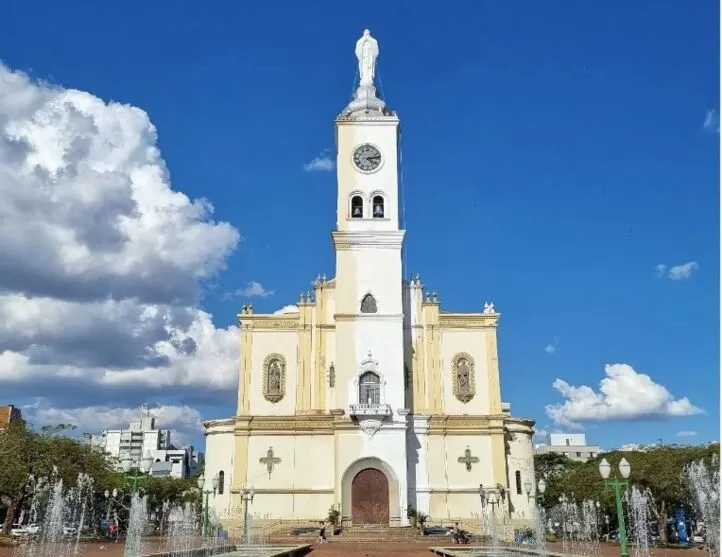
{"points": [[472, 551], [239, 551]]}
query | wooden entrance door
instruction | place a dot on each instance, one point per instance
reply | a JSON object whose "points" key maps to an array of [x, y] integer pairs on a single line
{"points": [[370, 497]]}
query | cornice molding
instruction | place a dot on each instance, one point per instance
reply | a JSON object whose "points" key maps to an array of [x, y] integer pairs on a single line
{"points": [[468, 320], [368, 317], [376, 239], [466, 425], [373, 119], [268, 321]]}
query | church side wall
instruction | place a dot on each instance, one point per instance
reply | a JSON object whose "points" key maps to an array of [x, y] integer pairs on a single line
{"points": [[301, 484], [220, 448], [454, 489], [472, 342], [520, 459], [265, 342]]}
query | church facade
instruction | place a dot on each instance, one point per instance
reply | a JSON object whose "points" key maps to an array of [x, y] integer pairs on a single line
{"points": [[367, 397]]}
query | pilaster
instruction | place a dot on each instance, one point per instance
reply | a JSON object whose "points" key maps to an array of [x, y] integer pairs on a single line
{"points": [[241, 432], [319, 399], [492, 366], [245, 321], [305, 324], [432, 334]]}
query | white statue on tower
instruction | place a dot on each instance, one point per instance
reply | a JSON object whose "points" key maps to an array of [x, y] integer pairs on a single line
{"points": [[367, 50]]}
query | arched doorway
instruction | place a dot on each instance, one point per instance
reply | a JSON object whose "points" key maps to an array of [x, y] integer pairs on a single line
{"points": [[370, 497]]}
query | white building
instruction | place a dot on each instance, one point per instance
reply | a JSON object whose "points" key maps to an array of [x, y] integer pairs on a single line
{"points": [[143, 437], [573, 445], [367, 397]]}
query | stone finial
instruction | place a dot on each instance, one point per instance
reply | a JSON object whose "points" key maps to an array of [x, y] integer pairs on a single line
{"points": [[434, 297], [302, 297], [317, 282], [489, 307], [309, 298], [324, 279], [428, 297], [247, 309]]}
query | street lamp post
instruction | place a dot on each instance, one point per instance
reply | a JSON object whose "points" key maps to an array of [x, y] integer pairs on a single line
{"points": [[540, 489], [132, 475], [624, 469], [247, 496], [201, 482]]}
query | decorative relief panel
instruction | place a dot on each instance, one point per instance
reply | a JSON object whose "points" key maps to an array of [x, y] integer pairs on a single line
{"points": [[462, 376], [274, 377]]}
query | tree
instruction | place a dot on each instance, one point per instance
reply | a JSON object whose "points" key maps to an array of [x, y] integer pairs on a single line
{"points": [[657, 469], [36, 454], [552, 465]]}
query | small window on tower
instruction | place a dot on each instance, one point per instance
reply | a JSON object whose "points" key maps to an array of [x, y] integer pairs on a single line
{"points": [[357, 207], [378, 207], [368, 304]]}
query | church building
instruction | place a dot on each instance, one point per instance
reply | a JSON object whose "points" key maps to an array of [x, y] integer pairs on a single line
{"points": [[366, 396]]}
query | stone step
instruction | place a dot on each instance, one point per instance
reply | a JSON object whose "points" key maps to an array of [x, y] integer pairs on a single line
{"points": [[421, 540]]}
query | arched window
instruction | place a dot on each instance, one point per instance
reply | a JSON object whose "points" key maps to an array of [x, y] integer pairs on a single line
{"points": [[369, 388], [357, 207], [378, 206], [517, 476], [368, 304], [221, 481]]}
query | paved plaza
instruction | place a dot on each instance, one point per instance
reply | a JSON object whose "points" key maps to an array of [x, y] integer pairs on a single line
{"points": [[335, 549]]}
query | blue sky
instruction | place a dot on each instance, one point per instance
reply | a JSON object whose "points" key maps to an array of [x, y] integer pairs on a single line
{"points": [[554, 155]]}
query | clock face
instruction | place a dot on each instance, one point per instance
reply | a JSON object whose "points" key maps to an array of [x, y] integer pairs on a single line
{"points": [[367, 158]]}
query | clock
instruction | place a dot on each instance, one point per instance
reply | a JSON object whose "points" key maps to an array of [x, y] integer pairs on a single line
{"points": [[367, 158]]}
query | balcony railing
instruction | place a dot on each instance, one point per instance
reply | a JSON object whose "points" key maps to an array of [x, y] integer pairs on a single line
{"points": [[370, 409]]}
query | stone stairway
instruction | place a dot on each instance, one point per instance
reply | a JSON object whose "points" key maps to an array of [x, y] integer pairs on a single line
{"points": [[359, 534]]}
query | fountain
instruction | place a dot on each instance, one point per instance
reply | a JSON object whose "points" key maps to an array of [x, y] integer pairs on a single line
{"points": [[137, 524], [540, 528], [640, 511], [704, 485], [63, 516], [181, 530]]}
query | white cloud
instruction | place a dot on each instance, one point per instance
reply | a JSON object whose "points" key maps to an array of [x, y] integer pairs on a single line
{"points": [[287, 309], [551, 348], [183, 421], [711, 120], [252, 290], [684, 271], [676, 272], [623, 394], [101, 261], [686, 433], [322, 163]]}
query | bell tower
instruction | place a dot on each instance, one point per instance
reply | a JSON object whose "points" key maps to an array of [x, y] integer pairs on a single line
{"points": [[368, 242]]}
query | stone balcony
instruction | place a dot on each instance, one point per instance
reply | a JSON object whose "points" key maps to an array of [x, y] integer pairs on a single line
{"points": [[370, 410]]}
